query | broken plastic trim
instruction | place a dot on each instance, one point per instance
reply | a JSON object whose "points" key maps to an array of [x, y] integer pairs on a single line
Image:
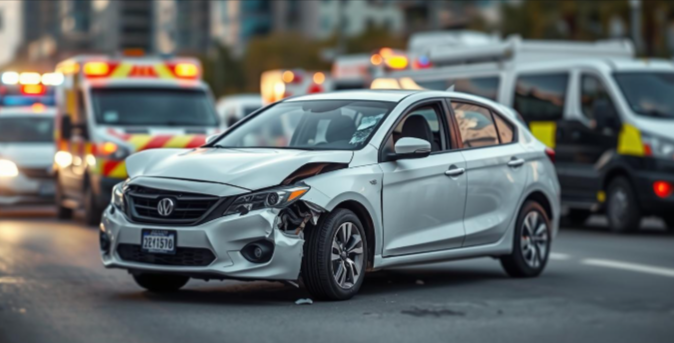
{"points": [[312, 169], [295, 217]]}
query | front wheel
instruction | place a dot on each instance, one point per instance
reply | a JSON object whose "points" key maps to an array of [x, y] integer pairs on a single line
{"points": [[160, 282], [531, 245], [622, 208], [62, 212], [335, 257], [92, 212]]}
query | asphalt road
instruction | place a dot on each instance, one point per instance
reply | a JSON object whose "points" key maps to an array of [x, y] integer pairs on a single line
{"points": [[598, 287]]}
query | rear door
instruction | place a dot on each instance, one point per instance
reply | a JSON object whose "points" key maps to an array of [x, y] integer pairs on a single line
{"points": [[494, 168], [423, 199]]}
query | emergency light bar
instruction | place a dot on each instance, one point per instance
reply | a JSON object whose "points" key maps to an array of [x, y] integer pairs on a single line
{"points": [[31, 78]]}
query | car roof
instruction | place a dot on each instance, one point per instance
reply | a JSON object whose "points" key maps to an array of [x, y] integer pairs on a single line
{"points": [[390, 95], [24, 111]]}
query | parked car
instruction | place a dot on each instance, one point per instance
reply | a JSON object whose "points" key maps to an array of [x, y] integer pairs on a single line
{"points": [[324, 187], [233, 108]]}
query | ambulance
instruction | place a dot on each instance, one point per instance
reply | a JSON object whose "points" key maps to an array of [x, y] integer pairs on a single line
{"points": [[111, 107], [608, 115]]}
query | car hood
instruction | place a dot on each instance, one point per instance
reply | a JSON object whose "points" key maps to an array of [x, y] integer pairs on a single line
{"points": [[245, 168], [32, 155]]}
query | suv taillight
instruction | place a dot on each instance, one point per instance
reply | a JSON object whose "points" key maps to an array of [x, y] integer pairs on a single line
{"points": [[551, 154]]}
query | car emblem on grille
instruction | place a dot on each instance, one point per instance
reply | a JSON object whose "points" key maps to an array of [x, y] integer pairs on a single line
{"points": [[165, 207]]}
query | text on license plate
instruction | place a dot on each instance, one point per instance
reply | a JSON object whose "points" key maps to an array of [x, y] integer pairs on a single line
{"points": [[159, 241]]}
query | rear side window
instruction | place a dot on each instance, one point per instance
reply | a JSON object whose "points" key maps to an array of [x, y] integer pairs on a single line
{"points": [[486, 87], [505, 130], [476, 125], [541, 97]]}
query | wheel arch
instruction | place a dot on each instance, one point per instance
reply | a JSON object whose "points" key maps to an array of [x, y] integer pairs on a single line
{"points": [[540, 197], [365, 218]]}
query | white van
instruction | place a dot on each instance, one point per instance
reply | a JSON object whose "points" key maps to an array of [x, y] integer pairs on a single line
{"points": [[608, 115]]}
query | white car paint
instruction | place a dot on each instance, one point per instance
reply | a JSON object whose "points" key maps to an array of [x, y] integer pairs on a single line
{"points": [[420, 209]]}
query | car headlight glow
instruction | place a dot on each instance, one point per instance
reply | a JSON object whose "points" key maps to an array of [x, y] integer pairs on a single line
{"points": [[274, 198], [658, 147], [8, 168], [118, 196]]}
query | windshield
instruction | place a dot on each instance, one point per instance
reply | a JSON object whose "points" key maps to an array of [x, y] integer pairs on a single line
{"points": [[311, 125], [28, 129], [648, 94], [153, 107]]}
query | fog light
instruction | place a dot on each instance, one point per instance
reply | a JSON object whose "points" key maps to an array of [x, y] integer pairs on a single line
{"points": [[258, 252], [662, 189]]}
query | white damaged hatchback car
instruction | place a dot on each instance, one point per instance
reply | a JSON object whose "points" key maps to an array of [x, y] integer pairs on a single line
{"points": [[324, 187]]}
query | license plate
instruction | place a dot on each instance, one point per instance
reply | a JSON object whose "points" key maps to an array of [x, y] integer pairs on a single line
{"points": [[158, 241]]}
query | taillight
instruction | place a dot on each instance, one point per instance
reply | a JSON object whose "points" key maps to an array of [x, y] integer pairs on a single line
{"points": [[551, 154], [662, 189]]}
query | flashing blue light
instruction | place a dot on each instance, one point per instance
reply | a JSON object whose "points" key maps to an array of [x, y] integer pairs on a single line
{"points": [[19, 100], [424, 61]]}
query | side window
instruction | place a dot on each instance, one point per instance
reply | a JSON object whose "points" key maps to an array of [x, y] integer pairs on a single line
{"points": [[422, 122], [593, 95], [541, 97], [506, 131], [476, 125]]}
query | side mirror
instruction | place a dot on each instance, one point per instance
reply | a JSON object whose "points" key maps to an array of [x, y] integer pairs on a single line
{"points": [[605, 115], [66, 126], [211, 138], [410, 148]]}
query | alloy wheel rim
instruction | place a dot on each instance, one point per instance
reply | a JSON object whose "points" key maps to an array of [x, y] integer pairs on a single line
{"points": [[346, 258], [534, 240]]}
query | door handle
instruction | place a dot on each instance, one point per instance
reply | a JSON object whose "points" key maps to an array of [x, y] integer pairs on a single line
{"points": [[515, 162], [454, 172]]}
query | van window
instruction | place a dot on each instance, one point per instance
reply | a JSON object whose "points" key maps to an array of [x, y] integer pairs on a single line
{"points": [[476, 125], [541, 97], [486, 87], [592, 90], [649, 94]]}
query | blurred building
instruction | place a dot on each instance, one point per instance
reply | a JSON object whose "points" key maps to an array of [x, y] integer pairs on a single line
{"points": [[183, 27], [10, 29]]}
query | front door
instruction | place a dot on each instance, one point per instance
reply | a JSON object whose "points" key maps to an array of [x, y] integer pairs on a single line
{"points": [[423, 199]]}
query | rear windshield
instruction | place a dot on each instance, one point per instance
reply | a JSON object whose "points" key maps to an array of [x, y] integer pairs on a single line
{"points": [[27, 129], [649, 94], [153, 107]]}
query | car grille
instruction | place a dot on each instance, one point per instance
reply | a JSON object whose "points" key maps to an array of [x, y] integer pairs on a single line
{"points": [[187, 257], [189, 208], [36, 173]]}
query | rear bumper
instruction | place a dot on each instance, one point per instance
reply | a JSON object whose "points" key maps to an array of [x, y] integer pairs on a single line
{"points": [[22, 190]]}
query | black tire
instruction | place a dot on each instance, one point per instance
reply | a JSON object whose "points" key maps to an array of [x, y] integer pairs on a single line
{"points": [[160, 283], [317, 267], [622, 208], [577, 217], [62, 213], [516, 264], [92, 212]]}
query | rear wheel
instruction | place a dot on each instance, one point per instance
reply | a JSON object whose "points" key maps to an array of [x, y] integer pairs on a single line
{"points": [[61, 211], [160, 282], [92, 212], [577, 217], [531, 245], [335, 257], [622, 208]]}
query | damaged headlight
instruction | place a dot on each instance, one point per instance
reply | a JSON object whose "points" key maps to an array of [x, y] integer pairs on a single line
{"points": [[118, 196], [274, 198]]}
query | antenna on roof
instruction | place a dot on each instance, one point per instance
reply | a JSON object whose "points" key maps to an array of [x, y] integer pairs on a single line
{"points": [[451, 88]]}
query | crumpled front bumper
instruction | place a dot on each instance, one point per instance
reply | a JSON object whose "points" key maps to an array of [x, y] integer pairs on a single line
{"points": [[225, 237]]}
